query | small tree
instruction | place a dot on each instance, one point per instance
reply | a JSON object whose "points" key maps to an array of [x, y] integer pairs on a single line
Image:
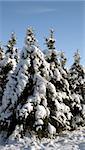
{"points": [[30, 37], [11, 51], [1, 72], [77, 84], [77, 57], [60, 74], [1, 52], [52, 54], [9, 62], [50, 41], [10, 45], [77, 74]]}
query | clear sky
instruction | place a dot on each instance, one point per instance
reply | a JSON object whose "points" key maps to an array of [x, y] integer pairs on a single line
{"points": [[67, 18]]}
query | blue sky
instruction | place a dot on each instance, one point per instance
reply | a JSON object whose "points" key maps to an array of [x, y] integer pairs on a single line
{"points": [[67, 18]]}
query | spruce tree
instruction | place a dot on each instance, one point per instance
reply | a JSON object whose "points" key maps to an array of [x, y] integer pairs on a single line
{"points": [[1, 72], [77, 88], [52, 54], [60, 82], [11, 50], [16, 84], [9, 62], [60, 73], [1, 52]]}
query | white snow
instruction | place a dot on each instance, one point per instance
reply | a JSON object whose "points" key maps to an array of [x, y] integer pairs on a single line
{"points": [[40, 112], [57, 75], [74, 140], [26, 109], [40, 86], [51, 129]]}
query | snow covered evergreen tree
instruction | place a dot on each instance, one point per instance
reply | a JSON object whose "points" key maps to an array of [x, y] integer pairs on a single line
{"points": [[8, 64], [77, 87], [60, 82], [12, 51], [1, 74], [34, 109], [40, 95], [60, 73], [52, 54], [1, 52]]}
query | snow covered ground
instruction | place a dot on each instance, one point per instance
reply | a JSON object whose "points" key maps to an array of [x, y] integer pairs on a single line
{"points": [[74, 140]]}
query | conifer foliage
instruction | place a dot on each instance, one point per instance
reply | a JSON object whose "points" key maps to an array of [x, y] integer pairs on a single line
{"points": [[37, 92], [77, 88], [9, 59]]}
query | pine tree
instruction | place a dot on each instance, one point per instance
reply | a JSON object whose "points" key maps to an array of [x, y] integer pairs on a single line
{"points": [[64, 72], [30, 37], [50, 41], [1, 74], [12, 51], [52, 54], [60, 74], [33, 111], [77, 75], [1, 52], [16, 84], [9, 62], [77, 84], [59, 80]]}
